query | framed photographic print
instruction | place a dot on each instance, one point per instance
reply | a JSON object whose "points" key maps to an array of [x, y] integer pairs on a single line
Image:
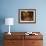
{"points": [[27, 15]]}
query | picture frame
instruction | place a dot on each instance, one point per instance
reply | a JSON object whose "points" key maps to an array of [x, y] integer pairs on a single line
{"points": [[27, 16]]}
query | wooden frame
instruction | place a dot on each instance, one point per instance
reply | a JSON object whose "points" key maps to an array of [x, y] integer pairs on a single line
{"points": [[27, 16]]}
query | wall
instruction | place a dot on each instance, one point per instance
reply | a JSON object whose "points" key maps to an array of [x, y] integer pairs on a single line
{"points": [[9, 8]]}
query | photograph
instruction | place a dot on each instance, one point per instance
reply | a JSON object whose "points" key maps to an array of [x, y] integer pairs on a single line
{"points": [[27, 15]]}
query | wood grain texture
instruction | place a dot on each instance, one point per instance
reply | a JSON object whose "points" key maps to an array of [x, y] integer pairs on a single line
{"points": [[20, 39]]}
